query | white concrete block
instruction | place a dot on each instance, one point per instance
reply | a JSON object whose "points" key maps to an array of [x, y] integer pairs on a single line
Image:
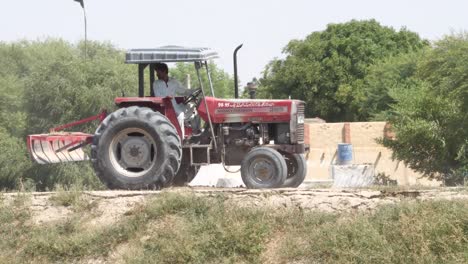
{"points": [[231, 182], [214, 175], [352, 175]]}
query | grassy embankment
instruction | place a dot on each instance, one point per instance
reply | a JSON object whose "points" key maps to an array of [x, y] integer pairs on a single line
{"points": [[175, 228]]}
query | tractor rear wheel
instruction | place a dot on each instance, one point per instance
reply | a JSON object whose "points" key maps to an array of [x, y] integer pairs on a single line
{"points": [[262, 168], [297, 169], [136, 148], [186, 171]]}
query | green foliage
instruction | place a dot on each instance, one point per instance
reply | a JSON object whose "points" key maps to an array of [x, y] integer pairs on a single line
{"points": [[13, 160], [327, 68], [65, 87], [204, 231], [430, 117], [361, 70], [174, 228], [201, 230], [11, 104], [418, 232], [223, 84], [390, 75], [14, 219], [74, 198]]}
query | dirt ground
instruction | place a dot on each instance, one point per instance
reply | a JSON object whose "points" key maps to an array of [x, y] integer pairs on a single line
{"points": [[109, 206]]}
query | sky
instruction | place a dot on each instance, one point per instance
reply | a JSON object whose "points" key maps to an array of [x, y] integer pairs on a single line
{"points": [[264, 27]]}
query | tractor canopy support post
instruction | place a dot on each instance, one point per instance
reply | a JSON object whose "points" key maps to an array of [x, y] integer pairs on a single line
{"points": [[198, 65], [151, 69], [141, 80], [209, 79]]}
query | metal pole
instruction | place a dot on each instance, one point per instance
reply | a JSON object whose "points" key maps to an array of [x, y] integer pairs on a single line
{"points": [[236, 85], [189, 85], [197, 67], [209, 79], [151, 69], [141, 80], [85, 34], [85, 25]]}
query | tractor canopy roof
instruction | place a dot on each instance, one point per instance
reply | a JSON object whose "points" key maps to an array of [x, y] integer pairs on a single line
{"points": [[169, 54]]}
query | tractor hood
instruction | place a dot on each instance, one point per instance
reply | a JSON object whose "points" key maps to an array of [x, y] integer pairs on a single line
{"points": [[248, 110]]}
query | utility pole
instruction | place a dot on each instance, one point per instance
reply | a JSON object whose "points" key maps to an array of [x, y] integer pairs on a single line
{"points": [[85, 25]]}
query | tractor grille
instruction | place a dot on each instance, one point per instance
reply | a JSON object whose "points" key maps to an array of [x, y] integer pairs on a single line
{"points": [[300, 127]]}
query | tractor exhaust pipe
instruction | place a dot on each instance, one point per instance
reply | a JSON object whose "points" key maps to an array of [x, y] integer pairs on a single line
{"points": [[236, 85]]}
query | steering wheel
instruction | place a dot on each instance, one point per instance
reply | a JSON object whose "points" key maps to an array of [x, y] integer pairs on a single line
{"points": [[193, 96]]}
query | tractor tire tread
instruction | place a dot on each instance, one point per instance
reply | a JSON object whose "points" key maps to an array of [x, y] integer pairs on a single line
{"points": [[297, 170], [275, 157], [170, 148]]}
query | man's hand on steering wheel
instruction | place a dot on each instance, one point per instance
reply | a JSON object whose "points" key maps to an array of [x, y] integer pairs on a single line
{"points": [[193, 96]]}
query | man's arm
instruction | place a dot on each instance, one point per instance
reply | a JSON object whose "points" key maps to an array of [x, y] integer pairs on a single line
{"points": [[180, 90]]}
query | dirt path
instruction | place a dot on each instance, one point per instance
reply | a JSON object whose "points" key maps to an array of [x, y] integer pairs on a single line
{"points": [[110, 205]]}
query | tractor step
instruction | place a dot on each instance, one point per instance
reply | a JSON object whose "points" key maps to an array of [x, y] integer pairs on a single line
{"points": [[200, 150], [58, 147]]}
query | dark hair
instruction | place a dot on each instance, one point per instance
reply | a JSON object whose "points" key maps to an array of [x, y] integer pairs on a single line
{"points": [[161, 67]]}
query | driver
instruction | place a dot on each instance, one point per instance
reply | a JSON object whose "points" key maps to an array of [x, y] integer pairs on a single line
{"points": [[167, 86]]}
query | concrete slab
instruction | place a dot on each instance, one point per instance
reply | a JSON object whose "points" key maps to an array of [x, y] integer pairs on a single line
{"points": [[215, 175], [355, 175]]}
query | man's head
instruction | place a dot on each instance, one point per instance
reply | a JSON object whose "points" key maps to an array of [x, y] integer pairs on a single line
{"points": [[162, 71]]}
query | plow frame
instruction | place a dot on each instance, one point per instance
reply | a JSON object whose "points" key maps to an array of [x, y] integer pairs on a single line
{"points": [[100, 116], [59, 146]]}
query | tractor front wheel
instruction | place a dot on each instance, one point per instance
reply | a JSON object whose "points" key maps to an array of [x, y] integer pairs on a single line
{"points": [[136, 148], [297, 169], [262, 168]]}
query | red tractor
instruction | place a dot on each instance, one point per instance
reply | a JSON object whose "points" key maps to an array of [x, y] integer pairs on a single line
{"points": [[140, 145]]}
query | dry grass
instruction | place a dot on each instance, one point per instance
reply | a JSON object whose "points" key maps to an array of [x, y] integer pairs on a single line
{"points": [[176, 228], [74, 198]]}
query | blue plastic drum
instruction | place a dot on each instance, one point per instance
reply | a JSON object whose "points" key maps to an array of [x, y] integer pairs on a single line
{"points": [[345, 153]]}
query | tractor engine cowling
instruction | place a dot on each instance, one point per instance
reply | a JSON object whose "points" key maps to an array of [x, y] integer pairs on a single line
{"points": [[279, 120]]}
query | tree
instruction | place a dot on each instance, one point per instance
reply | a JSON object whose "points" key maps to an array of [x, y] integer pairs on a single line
{"points": [[13, 161], [327, 68], [430, 118], [223, 83], [393, 73], [64, 87], [14, 65]]}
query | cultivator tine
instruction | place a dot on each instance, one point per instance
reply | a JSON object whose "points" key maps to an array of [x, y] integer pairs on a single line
{"points": [[39, 150], [57, 148]]}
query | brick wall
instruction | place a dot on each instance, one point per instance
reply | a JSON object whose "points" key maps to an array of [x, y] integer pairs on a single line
{"points": [[323, 139]]}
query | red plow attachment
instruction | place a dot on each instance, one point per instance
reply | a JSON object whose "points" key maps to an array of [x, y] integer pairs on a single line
{"points": [[58, 147]]}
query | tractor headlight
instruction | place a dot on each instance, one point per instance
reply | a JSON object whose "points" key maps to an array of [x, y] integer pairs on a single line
{"points": [[300, 119]]}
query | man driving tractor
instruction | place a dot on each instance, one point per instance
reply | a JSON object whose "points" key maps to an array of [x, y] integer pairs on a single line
{"points": [[167, 86]]}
